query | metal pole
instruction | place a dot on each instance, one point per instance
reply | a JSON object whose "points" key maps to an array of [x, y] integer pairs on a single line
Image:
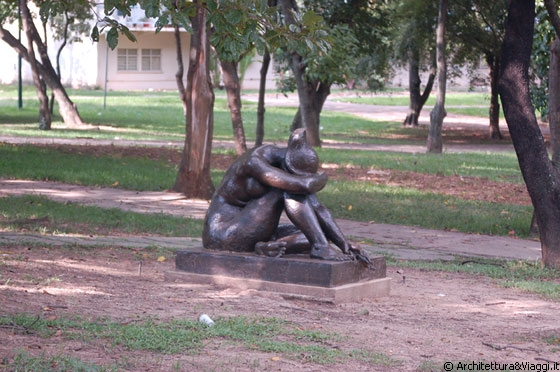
{"points": [[106, 72]]}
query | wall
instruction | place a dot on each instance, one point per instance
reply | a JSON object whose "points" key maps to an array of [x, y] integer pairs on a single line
{"points": [[142, 80]]}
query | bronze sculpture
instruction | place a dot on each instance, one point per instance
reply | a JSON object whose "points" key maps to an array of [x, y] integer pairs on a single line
{"points": [[245, 211]]}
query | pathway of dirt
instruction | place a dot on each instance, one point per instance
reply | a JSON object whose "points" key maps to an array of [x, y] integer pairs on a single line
{"points": [[430, 317]]}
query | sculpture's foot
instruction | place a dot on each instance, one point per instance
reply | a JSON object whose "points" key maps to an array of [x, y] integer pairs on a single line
{"points": [[330, 254], [270, 249]]}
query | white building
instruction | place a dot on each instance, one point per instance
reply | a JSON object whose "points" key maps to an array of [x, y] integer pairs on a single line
{"points": [[149, 63]]}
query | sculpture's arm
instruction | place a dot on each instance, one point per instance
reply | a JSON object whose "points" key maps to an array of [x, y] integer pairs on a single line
{"points": [[259, 166]]}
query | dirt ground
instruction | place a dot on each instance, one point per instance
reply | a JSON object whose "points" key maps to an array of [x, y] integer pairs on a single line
{"points": [[429, 318]]}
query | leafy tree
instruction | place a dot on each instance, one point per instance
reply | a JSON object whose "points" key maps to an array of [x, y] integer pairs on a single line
{"points": [[236, 32], [475, 29], [43, 70], [357, 36], [69, 23], [435, 143], [32, 38], [554, 84], [193, 178], [542, 41], [545, 63], [478, 29], [541, 176], [413, 31]]}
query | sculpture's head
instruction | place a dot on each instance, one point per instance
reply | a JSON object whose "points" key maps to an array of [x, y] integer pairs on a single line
{"points": [[301, 159]]}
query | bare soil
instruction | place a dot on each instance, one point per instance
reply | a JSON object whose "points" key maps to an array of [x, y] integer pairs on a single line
{"points": [[430, 317]]}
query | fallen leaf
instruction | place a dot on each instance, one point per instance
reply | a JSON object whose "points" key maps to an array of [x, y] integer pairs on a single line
{"points": [[275, 358], [161, 259]]}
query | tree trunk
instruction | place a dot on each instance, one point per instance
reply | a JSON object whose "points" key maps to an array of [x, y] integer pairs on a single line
{"points": [[435, 142], [193, 178], [233, 91], [66, 107], [307, 109], [262, 90], [417, 100], [180, 68], [58, 53], [44, 111], [494, 65], [554, 101], [541, 177], [309, 113], [318, 95]]}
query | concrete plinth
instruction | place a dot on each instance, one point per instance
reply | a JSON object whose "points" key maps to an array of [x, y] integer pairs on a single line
{"points": [[292, 276]]}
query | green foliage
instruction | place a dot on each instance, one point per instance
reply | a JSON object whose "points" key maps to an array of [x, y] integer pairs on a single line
{"points": [[357, 44], [413, 28], [478, 29], [8, 11], [543, 37], [236, 26]]}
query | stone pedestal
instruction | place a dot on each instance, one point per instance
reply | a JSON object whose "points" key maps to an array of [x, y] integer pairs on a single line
{"points": [[296, 276]]}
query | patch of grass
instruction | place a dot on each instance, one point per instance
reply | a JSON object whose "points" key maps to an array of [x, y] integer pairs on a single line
{"points": [[43, 282], [350, 200], [40, 163], [23, 361], [502, 167], [451, 99], [130, 115], [269, 335], [133, 115], [354, 200], [75, 218], [523, 275], [554, 339], [463, 103], [361, 201]]}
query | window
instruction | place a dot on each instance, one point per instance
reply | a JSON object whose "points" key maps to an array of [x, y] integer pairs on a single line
{"points": [[151, 59], [127, 60]]}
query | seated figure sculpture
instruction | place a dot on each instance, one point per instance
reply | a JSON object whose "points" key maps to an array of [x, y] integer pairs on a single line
{"points": [[244, 214]]}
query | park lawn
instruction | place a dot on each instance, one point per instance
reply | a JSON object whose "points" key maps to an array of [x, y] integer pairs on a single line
{"points": [[158, 116], [461, 103], [350, 199]]}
